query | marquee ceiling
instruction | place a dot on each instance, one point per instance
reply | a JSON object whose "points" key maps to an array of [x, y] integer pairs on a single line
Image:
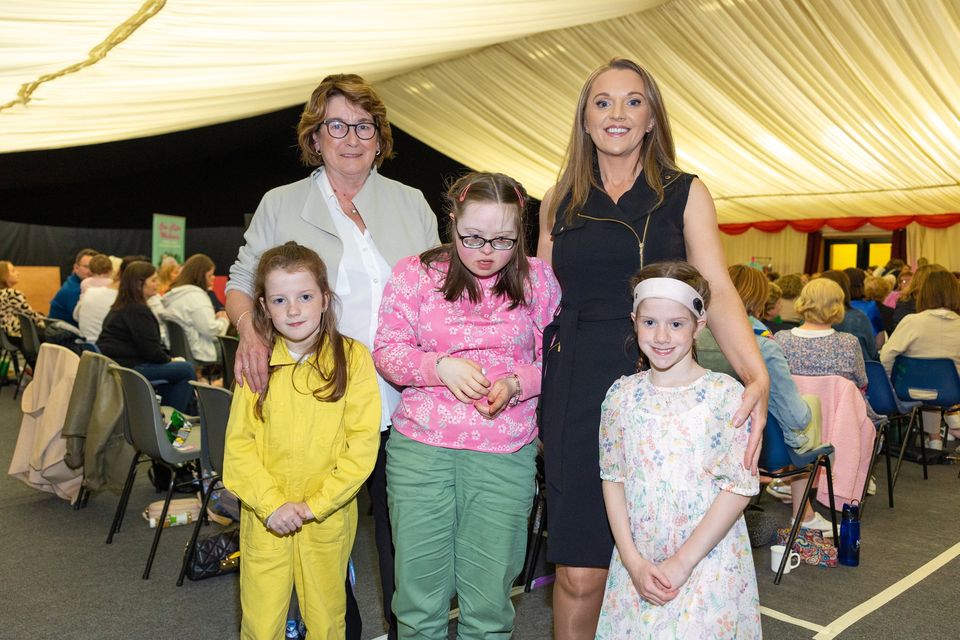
{"points": [[785, 108]]}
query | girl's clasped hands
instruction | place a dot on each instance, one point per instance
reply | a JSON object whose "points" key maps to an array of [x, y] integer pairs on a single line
{"points": [[467, 381], [289, 517]]}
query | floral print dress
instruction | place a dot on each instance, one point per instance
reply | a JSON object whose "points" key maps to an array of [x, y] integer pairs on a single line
{"points": [[675, 449]]}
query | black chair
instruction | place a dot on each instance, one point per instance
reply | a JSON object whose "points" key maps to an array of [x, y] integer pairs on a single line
{"points": [[775, 457], [180, 346], [11, 351], [214, 405], [228, 355], [145, 430], [537, 528], [884, 401], [30, 341]]}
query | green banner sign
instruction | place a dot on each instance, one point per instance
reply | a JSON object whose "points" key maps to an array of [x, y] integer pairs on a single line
{"points": [[169, 237]]}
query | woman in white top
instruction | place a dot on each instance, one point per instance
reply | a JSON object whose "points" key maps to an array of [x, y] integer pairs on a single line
{"points": [[932, 332], [188, 304]]}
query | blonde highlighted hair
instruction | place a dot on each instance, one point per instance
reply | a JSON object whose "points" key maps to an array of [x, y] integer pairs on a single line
{"points": [[753, 287], [657, 153], [821, 302]]}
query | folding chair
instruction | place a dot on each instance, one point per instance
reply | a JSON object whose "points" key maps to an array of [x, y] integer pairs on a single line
{"points": [[145, 427], [932, 381], [885, 402], [775, 456], [180, 346], [214, 405], [30, 346], [228, 355]]}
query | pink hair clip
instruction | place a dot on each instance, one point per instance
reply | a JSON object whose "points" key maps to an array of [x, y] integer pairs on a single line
{"points": [[463, 194], [519, 196]]}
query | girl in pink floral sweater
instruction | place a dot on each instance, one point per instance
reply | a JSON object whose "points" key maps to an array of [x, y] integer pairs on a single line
{"points": [[461, 330]]}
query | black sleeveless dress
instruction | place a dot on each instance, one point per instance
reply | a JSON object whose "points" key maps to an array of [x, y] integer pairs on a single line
{"points": [[590, 344]]}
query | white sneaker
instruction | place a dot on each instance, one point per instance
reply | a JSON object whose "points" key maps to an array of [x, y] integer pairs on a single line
{"points": [[934, 445], [817, 523], [872, 487], [780, 490]]}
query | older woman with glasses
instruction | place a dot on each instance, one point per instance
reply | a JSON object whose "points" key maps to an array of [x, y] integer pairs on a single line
{"points": [[360, 223]]}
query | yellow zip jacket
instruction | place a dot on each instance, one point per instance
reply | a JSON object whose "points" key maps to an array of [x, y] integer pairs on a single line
{"points": [[303, 449]]}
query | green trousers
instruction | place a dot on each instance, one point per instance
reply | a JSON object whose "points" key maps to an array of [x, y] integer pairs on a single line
{"points": [[459, 523]]}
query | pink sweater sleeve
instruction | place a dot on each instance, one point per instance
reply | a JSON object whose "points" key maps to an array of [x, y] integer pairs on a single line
{"points": [[545, 298], [396, 350]]}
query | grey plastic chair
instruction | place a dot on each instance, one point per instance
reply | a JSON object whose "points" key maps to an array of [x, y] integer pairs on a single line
{"points": [[145, 428], [214, 403], [228, 355], [12, 351], [30, 346]]}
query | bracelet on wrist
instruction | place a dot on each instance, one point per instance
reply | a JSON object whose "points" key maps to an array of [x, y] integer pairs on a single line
{"points": [[239, 319], [515, 398]]}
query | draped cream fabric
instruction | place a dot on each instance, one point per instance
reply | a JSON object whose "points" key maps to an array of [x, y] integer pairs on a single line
{"points": [[786, 249], [785, 108], [939, 246]]}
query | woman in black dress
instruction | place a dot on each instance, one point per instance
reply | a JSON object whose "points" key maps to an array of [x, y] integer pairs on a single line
{"points": [[620, 203]]}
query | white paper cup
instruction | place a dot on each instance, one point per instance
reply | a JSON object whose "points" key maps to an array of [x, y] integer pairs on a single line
{"points": [[776, 556]]}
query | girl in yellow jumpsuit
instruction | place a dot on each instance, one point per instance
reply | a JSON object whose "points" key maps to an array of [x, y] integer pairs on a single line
{"points": [[297, 453]]}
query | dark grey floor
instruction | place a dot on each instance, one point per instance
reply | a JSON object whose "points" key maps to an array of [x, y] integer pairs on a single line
{"points": [[59, 579]]}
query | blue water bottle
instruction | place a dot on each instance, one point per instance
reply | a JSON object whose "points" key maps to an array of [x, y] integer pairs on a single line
{"points": [[849, 552]]}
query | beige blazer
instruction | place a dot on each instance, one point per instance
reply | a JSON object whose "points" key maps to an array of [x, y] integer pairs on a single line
{"points": [[38, 459], [398, 217]]}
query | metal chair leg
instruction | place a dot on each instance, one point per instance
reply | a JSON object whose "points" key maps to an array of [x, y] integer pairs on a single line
{"points": [[534, 541], [795, 529], [886, 453], [160, 521], [833, 506], [192, 546], [124, 495]]}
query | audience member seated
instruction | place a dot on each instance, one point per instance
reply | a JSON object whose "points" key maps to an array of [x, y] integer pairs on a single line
{"points": [[816, 347], [854, 321], [101, 273], [786, 404], [906, 303], [858, 299], [94, 305], [63, 303], [901, 282], [877, 289], [932, 332], [790, 286], [188, 304], [168, 272], [12, 302], [131, 336]]}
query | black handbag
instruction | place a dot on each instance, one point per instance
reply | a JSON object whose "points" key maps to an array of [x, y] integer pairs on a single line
{"points": [[215, 555]]}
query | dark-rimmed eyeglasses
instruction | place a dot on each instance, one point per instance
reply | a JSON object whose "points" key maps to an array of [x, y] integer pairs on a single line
{"points": [[339, 129], [478, 242]]}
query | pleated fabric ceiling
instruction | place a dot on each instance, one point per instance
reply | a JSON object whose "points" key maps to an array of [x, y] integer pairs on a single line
{"points": [[786, 109]]}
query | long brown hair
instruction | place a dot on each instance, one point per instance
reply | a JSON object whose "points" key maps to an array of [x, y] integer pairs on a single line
{"points": [[131, 284], [678, 270], [657, 153], [5, 268], [194, 271], [292, 257], [940, 290], [358, 92], [916, 282], [482, 188]]}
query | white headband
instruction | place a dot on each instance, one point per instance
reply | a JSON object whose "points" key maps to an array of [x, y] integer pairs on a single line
{"points": [[670, 289]]}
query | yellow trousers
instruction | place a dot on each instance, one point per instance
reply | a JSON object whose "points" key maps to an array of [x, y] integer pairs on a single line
{"points": [[314, 559]]}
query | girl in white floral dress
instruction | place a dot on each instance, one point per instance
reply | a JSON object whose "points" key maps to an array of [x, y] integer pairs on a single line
{"points": [[673, 480]]}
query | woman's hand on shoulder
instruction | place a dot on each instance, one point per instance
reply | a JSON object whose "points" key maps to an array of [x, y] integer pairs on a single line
{"points": [[753, 405], [253, 357], [464, 378], [545, 239], [651, 582]]}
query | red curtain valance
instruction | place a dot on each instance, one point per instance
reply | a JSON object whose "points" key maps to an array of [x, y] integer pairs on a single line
{"points": [[809, 225]]}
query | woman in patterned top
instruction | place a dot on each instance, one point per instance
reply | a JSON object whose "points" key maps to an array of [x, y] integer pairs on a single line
{"points": [[12, 302]]}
